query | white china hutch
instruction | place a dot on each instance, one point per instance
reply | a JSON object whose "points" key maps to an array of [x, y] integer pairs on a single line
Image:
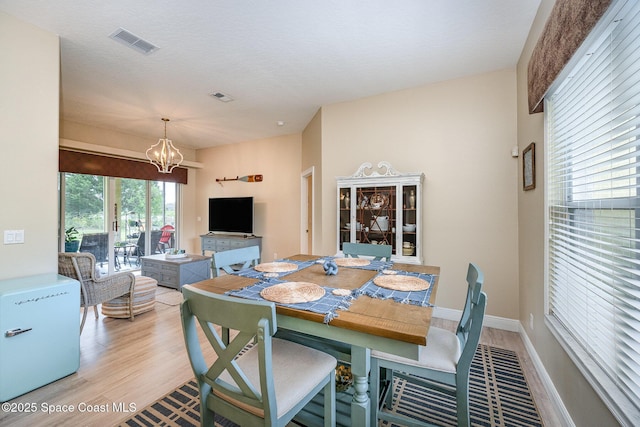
{"points": [[382, 206]]}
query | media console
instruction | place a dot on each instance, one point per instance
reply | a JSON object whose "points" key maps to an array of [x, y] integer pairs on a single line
{"points": [[218, 242]]}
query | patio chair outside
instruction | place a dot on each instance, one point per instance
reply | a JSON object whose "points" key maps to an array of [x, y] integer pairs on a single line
{"points": [[96, 244], [166, 239]]}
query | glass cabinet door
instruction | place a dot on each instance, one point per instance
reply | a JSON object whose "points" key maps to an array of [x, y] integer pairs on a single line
{"points": [[375, 215], [409, 220], [381, 208], [368, 215], [344, 213]]}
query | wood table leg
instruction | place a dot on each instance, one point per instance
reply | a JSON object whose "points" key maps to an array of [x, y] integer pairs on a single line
{"points": [[361, 405]]}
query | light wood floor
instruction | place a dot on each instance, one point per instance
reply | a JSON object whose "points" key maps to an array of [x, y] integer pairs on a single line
{"points": [[129, 365]]}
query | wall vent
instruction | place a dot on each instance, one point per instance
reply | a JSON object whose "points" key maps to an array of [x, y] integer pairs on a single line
{"points": [[221, 96], [134, 42]]}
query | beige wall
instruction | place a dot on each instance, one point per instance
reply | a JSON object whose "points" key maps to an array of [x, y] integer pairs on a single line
{"points": [[110, 138], [188, 227], [276, 199], [312, 158], [584, 406], [460, 134], [29, 123]]}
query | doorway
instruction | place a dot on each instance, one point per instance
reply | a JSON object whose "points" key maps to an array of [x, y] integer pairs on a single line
{"points": [[307, 211]]}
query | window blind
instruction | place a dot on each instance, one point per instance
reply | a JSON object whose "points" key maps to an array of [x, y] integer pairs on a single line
{"points": [[593, 175]]}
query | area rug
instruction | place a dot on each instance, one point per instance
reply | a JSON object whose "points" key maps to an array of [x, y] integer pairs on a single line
{"points": [[499, 396], [169, 297]]}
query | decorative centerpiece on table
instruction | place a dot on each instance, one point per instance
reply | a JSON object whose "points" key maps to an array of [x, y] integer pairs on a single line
{"points": [[175, 254], [330, 268]]}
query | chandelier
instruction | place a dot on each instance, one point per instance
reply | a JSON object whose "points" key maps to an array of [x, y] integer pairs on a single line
{"points": [[163, 154]]}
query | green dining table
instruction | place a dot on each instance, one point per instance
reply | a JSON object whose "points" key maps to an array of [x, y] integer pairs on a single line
{"points": [[368, 324]]}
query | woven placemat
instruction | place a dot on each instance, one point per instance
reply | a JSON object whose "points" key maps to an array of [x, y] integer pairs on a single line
{"points": [[352, 262], [276, 267], [401, 283], [293, 292]]}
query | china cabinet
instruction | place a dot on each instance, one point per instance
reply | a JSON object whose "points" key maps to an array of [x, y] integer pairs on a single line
{"points": [[382, 206]]}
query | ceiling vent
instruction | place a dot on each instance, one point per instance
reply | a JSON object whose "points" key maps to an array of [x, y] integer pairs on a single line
{"points": [[133, 41], [221, 96]]}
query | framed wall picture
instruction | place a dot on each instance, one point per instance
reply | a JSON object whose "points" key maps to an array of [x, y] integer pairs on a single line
{"points": [[529, 167]]}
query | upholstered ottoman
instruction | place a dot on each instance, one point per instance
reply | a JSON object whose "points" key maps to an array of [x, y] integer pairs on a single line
{"points": [[144, 299]]}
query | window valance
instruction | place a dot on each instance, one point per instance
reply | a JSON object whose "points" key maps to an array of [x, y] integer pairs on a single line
{"points": [[96, 164], [568, 25]]}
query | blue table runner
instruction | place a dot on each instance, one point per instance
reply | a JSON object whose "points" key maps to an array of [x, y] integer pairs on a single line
{"points": [[330, 303]]}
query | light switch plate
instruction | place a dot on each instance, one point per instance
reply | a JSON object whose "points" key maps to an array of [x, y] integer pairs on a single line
{"points": [[13, 237]]}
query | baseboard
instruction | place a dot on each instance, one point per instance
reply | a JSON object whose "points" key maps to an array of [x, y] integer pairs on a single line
{"points": [[513, 325], [556, 401], [489, 321]]}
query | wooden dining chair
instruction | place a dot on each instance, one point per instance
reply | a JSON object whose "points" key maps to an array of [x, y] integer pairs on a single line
{"points": [[256, 379], [240, 258], [378, 252], [443, 364]]}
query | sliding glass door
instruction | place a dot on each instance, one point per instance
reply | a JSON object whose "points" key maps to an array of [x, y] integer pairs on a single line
{"points": [[118, 219], [163, 216], [85, 224], [130, 202]]}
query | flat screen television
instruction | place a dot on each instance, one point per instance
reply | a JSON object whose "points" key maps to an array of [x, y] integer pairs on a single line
{"points": [[231, 215]]}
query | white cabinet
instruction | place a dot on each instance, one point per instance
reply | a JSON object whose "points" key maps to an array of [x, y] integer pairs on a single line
{"points": [[382, 206]]}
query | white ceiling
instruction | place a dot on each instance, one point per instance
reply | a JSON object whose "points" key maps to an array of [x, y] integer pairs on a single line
{"points": [[280, 60]]}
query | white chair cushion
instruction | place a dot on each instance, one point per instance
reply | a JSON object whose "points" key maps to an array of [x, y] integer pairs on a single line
{"points": [[441, 352], [297, 369]]}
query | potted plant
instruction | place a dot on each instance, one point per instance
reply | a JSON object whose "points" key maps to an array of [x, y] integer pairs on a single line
{"points": [[71, 241]]}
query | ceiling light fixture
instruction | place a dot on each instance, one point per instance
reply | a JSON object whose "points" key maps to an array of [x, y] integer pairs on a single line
{"points": [[163, 154]]}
